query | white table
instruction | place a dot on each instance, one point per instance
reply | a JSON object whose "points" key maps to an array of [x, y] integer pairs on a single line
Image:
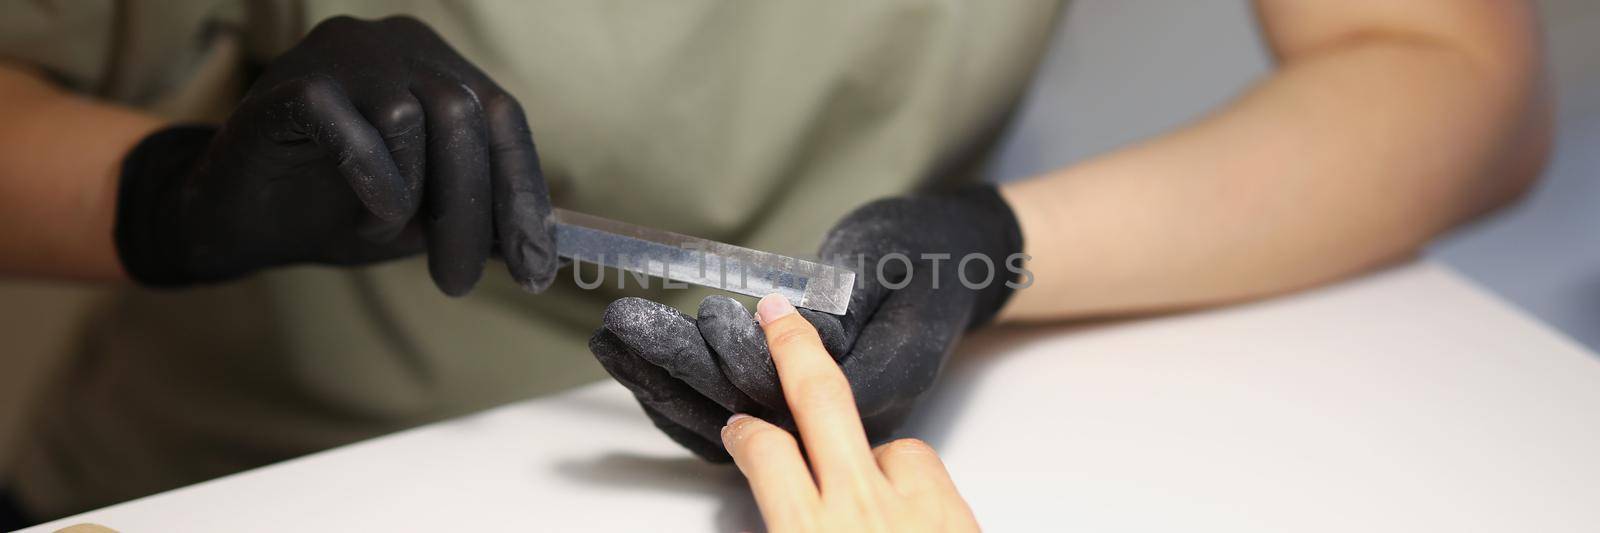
{"points": [[1408, 400]]}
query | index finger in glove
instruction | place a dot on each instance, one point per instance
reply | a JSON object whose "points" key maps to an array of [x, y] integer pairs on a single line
{"points": [[460, 230], [317, 108], [521, 204], [398, 117], [669, 339], [740, 347], [522, 215]]}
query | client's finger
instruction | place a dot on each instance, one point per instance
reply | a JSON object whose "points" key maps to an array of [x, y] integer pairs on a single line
{"points": [[770, 459], [819, 397], [914, 468]]}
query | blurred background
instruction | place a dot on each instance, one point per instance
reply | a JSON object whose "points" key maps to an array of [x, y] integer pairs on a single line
{"points": [[1119, 71]]}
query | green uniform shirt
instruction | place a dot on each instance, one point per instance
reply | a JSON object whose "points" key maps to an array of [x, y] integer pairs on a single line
{"points": [[753, 122]]}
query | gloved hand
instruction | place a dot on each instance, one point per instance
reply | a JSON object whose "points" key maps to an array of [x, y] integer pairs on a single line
{"points": [[369, 140], [934, 267]]}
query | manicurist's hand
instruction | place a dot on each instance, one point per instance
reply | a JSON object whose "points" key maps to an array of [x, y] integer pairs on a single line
{"points": [[367, 141], [931, 268], [847, 486]]}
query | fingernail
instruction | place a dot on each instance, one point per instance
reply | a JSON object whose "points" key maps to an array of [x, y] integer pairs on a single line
{"points": [[772, 307], [735, 418]]}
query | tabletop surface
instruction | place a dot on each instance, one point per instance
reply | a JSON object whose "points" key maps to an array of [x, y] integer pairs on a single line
{"points": [[1407, 400]]}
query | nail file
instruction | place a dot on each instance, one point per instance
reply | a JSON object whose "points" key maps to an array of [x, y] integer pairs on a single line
{"points": [[678, 257]]}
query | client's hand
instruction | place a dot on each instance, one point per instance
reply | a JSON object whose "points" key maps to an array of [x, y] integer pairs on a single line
{"points": [[847, 486]]}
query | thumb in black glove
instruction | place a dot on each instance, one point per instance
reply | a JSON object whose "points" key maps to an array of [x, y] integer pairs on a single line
{"points": [[931, 267], [369, 140]]}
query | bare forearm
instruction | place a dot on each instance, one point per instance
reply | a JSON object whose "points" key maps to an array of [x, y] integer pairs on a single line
{"points": [[1349, 156], [59, 157]]}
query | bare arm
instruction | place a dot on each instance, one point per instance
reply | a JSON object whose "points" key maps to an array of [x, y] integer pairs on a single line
{"points": [[59, 157], [1385, 124]]}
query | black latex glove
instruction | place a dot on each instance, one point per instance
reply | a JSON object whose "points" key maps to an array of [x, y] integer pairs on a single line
{"points": [[369, 140], [691, 373]]}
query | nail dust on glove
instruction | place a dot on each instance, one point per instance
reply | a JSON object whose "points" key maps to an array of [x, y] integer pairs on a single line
{"points": [[932, 267]]}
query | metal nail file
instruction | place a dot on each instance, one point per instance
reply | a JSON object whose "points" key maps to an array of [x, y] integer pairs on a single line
{"points": [[677, 257]]}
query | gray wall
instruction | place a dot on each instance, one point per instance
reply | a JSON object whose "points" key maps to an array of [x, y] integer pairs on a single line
{"points": [[1122, 70]]}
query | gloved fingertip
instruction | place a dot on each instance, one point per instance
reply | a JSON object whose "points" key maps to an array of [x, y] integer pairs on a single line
{"points": [[536, 284], [618, 361], [532, 262], [376, 180], [717, 306], [626, 309], [455, 288], [741, 350], [379, 231], [397, 207]]}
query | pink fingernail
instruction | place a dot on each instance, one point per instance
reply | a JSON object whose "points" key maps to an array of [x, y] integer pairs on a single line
{"points": [[735, 418], [772, 307]]}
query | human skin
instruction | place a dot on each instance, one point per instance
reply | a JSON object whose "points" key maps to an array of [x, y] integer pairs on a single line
{"points": [[60, 155], [845, 485], [1385, 124]]}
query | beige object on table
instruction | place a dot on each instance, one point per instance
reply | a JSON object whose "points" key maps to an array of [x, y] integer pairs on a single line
{"points": [[86, 528]]}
